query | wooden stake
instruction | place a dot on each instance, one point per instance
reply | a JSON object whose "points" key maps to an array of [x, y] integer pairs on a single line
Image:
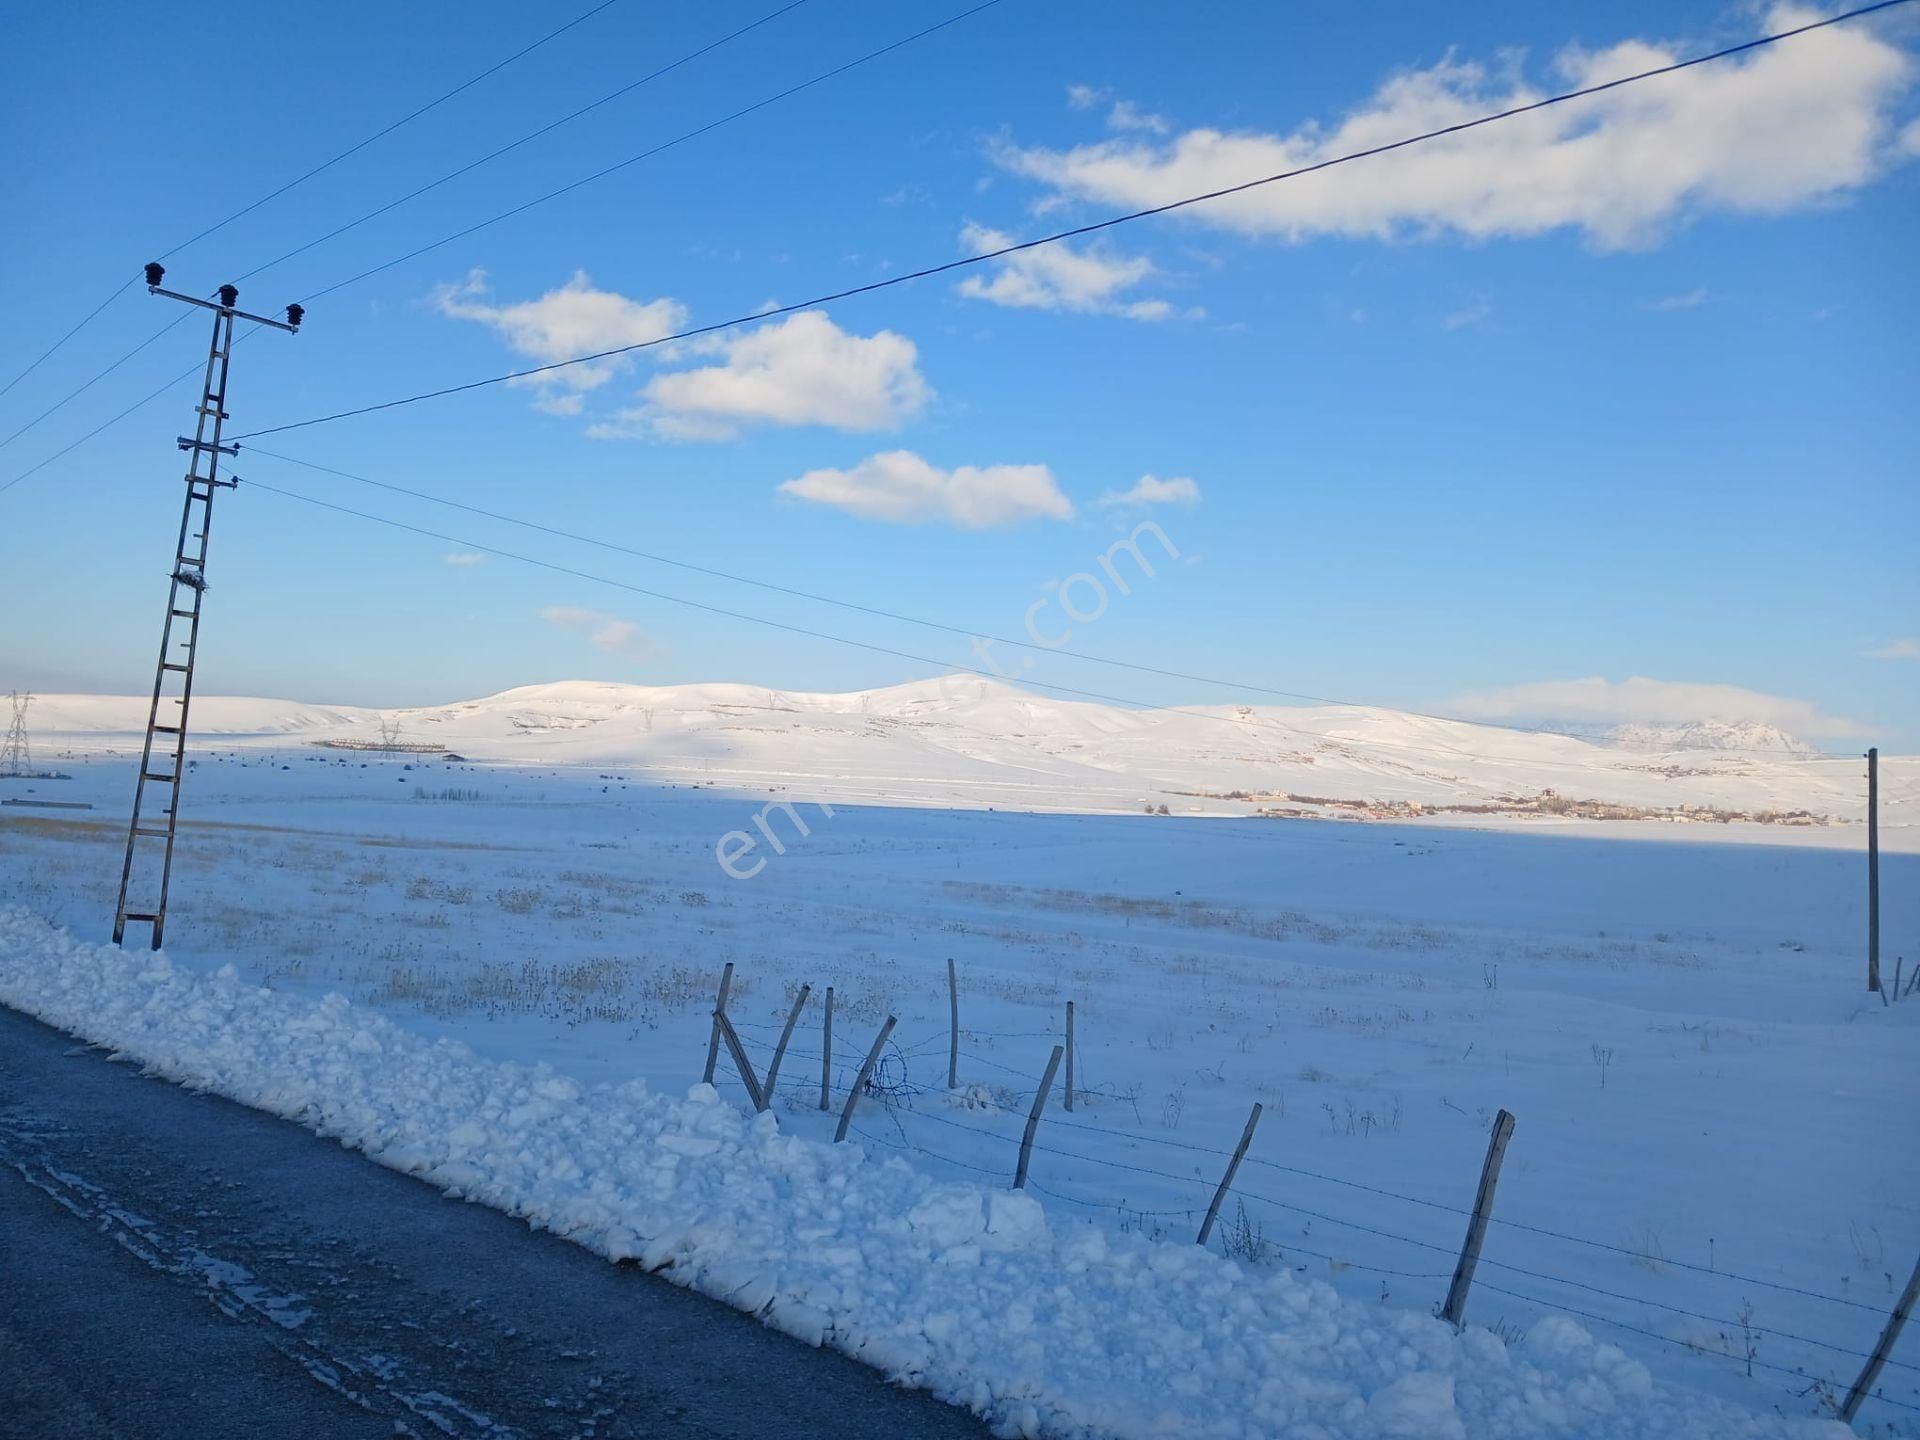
{"points": [[826, 1053], [1069, 1057], [719, 1009], [1226, 1180], [953, 1043], [740, 1060], [1878, 1359], [1873, 869], [1033, 1117], [780, 1050], [1456, 1305], [860, 1080]]}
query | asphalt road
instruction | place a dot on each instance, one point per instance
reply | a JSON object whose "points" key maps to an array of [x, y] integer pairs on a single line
{"points": [[175, 1265]]}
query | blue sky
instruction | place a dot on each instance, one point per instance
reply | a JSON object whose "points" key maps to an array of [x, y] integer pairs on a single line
{"points": [[1624, 392]]}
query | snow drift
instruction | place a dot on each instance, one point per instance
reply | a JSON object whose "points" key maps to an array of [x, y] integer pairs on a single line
{"points": [[969, 1291]]}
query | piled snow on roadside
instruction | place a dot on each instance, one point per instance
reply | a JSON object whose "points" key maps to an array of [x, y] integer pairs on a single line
{"points": [[961, 1289]]}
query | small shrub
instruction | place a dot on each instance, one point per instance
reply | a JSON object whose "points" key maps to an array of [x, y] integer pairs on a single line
{"points": [[518, 900], [1245, 1240]]}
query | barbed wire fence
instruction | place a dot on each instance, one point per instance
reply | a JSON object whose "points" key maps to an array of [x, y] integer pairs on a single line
{"points": [[898, 1100]]}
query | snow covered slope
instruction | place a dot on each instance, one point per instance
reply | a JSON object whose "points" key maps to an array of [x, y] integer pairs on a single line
{"points": [[971, 742]]}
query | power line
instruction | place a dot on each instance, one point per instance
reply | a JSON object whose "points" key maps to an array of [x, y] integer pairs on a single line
{"points": [[542, 199], [264, 199], [523, 140], [880, 612], [407, 119], [195, 369], [1076, 231], [88, 385], [947, 665], [80, 325], [1250, 718], [665, 145], [711, 609]]}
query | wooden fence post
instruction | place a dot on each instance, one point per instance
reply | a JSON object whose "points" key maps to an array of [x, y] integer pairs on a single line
{"points": [[780, 1050], [1069, 1057], [1878, 1359], [719, 1009], [1226, 1180], [1477, 1227], [1033, 1117], [826, 1053], [953, 1043], [740, 1060], [860, 1080]]}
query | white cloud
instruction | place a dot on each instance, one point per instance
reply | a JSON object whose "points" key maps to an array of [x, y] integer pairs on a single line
{"points": [[574, 320], [1084, 97], [464, 558], [1596, 700], [1150, 490], [1125, 115], [1687, 300], [1468, 315], [804, 370], [1905, 647], [1787, 126], [897, 486], [605, 632], [1057, 277]]}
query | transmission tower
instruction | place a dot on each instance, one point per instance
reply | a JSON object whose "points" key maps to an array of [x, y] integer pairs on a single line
{"points": [[173, 680], [15, 760]]}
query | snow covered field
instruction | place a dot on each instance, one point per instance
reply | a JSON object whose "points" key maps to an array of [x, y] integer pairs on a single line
{"points": [[1711, 1110]]}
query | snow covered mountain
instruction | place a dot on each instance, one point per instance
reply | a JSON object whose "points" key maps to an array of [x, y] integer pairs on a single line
{"points": [[962, 740], [1710, 735]]}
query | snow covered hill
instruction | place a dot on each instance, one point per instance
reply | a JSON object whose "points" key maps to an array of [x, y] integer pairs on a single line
{"points": [[965, 741], [1710, 735]]}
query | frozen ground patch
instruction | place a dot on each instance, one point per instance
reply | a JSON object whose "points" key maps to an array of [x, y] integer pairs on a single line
{"points": [[973, 1292]]}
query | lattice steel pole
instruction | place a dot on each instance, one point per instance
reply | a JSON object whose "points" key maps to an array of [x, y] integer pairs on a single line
{"points": [[16, 758], [187, 592]]}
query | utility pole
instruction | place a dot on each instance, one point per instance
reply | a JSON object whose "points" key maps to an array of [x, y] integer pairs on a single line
{"points": [[173, 679], [15, 761], [1873, 869]]}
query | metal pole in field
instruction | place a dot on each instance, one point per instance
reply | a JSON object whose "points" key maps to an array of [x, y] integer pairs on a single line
{"points": [[1226, 1180], [1878, 1359], [826, 1054], [953, 1042], [156, 791], [1033, 1117], [860, 1080], [1456, 1305], [1069, 1057], [719, 1009], [1873, 868]]}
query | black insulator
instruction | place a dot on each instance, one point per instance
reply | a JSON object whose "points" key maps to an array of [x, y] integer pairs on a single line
{"points": [[229, 294], [156, 272], [295, 314]]}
